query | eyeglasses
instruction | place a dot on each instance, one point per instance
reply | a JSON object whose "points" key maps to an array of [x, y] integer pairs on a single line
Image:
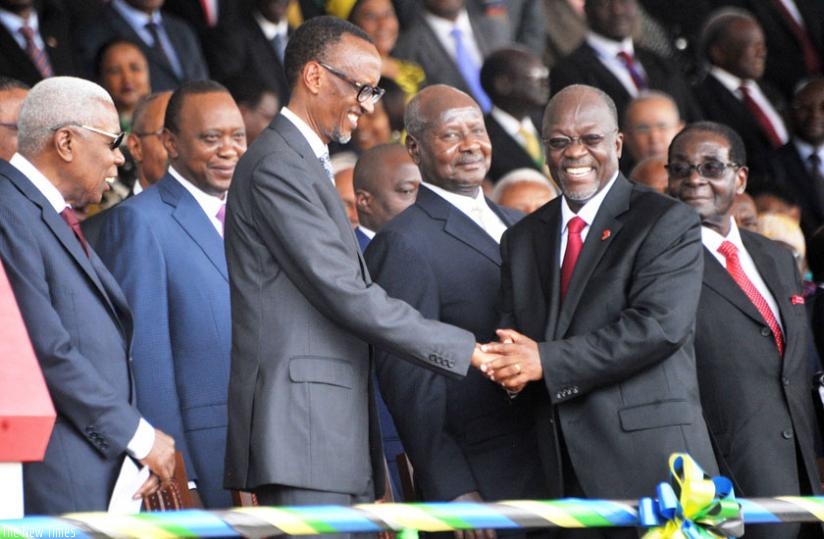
{"points": [[117, 138], [712, 170], [366, 93], [591, 140], [8, 125]]}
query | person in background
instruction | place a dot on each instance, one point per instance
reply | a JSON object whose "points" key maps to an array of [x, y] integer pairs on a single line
{"points": [[121, 68], [523, 189], [649, 124], [12, 94], [258, 104], [745, 212], [343, 170], [651, 171]]}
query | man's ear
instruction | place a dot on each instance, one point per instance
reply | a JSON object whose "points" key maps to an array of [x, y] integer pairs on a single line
{"points": [[311, 77], [413, 148], [362, 200], [170, 143], [64, 141], [135, 147]]}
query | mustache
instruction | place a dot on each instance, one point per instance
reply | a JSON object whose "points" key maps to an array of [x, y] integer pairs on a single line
{"points": [[470, 159]]}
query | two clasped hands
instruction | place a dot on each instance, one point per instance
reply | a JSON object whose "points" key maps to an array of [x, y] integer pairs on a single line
{"points": [[512, 362]]}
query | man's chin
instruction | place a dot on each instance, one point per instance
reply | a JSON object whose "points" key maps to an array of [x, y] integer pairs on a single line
{"points": [[341, 138]]}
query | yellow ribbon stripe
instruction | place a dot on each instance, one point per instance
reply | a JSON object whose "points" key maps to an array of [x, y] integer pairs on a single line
{"points": [[808, 505], [400, 516], [290, 523], [114, 525]]}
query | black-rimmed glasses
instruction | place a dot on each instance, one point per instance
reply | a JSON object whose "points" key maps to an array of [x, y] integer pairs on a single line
{"points": [[9, 125], [117, 138], [712, 170], [590, 140], [366, 93]]}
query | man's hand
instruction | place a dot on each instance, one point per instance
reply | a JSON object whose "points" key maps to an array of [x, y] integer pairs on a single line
{"points": [[161, 463], [473, 496], [480, 357], [515, 362]]}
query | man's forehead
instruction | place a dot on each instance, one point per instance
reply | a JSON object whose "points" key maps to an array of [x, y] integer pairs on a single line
{"points": [[460, 114]]}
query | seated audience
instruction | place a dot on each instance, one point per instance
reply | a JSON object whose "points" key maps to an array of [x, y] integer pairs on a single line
{"points": [[121, 68], [523, 189]]}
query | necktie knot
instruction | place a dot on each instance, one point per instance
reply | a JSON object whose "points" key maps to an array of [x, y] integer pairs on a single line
{"points": [[221, 214], [28, 32], [576, 225], [815, 160], [728, 249], [573, 249], [531, 145]]}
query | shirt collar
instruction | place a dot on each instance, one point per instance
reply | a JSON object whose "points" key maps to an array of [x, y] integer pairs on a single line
{"points": [[367, 232], [511, 124], [444, 26], [805, 149], [589, 210], [41, 182], [13, 22], [318, 147], [464, 203], [135, 17], [609, 47], [271, 29], [730, 81], [712, 240], [209, 203]]}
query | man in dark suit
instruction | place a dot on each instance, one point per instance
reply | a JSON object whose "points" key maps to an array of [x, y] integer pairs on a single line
{"points": [[798, 166], [587, 290], [76, 315], [12, 94], [253, 45], [731, 93], [756, 394], [518, 85], [466, 439], [169, 44], [165, 248], [34, 40], [608, 59], [450, 41], [302, 423]]}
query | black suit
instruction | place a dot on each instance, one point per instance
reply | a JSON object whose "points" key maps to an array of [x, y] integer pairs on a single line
{"points": [[722, 106], [757, 404], [791, 172], [582, 66], [461, 435], [242, 49], [54, 30], [110, 25], [619, 392], [507, 153]]}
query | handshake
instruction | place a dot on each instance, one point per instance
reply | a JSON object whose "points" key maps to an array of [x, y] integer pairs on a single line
{"points": [[512, 362]]}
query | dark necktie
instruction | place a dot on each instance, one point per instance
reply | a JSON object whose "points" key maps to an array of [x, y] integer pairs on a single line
{"points": [[469, 70], [37, 55], [209, 15], [157, 44], [761, 117], [573, 249], [629, 62], [812, 60], [735, 270], [814, 162], [69, 216]]}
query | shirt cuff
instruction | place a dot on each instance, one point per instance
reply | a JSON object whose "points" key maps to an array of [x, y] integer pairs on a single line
{"points": [[141, 443]]}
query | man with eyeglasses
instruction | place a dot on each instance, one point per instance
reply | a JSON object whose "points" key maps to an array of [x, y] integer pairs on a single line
{"points": [[302, 423], [751, 338], [599, 290], [76, 315], [649, 124], [12, 94]]}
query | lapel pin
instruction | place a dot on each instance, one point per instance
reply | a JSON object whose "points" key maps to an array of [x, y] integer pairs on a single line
{"points": [[796, 299], [605, 234]]}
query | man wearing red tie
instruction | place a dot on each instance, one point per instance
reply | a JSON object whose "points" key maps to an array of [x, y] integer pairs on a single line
{"points": [[751, 337]]}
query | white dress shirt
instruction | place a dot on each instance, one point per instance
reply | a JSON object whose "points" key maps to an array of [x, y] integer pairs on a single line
{"points": [[138, 20], [14, 23], [733, 83], [318, 147], [607, 51], [513, 125], [805, 150], [587, 212], [210, 204], [475, 208], [442, 28], [271, 29]]}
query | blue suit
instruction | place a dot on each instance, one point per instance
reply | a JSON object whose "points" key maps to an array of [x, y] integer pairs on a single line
{"points": [[169, 259], [80, 328]]}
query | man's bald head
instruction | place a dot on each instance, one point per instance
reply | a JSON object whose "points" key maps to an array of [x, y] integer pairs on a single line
{"points": [[386, 182]]}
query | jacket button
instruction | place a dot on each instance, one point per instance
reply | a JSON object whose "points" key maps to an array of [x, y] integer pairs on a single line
{"points": [[558, 396], [787, 434], [765, 331], [785, 381]]}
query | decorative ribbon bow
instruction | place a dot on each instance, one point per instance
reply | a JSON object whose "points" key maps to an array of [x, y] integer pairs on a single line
{"points": [[694, 506]]}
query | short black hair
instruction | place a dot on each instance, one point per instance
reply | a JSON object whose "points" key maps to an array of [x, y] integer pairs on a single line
{"points": [[101, 52], [738, 153], [313, 39], [8, 83], [171, 120]]}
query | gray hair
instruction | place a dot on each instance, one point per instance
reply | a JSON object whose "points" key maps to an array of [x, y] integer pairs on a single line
{"points": [[57, 102], [520, 175]]}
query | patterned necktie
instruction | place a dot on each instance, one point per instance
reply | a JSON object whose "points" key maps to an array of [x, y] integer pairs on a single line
{"points": [[629, 62], [221, 216], [532, 146], [573, 249], [157, 44], [69, 216], [470, 72], [279, 44], [735, 270], [327, 166], [37, 55], [761, 117]]}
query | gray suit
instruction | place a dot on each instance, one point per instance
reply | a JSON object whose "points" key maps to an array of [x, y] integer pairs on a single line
{"points": [[305, 313]]}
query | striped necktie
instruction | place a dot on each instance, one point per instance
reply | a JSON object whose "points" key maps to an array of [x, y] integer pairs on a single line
{"points": [[37, 55]]}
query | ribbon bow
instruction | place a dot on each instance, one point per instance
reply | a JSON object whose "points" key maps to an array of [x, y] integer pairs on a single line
{"points": [[694, 506]]}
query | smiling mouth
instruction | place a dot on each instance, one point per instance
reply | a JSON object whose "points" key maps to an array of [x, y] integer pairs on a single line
{"points": [[577, 172]]}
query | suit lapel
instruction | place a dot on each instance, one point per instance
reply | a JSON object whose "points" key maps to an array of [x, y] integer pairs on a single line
{"points": [[545, 248], [194, 221], [599, 237], [717, 279]]}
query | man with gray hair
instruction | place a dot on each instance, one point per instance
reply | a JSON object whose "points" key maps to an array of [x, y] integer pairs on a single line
{"points": [[76, 315]]}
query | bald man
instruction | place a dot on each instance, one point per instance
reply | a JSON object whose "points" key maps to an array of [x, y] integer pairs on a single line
{"points": [[650, 122], [386, 182], [651, 172]]}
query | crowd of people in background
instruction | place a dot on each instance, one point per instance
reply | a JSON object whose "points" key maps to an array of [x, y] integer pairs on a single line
{"points": [[554, 240]]}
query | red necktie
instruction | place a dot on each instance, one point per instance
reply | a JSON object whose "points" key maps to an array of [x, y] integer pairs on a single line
{"points": [[37, 55], [812, 61], [735, 270], [573, 249], [761, 117], [71, 219], [629, 62]]}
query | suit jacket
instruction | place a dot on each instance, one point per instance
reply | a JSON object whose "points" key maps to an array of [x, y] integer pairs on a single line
{"points": [[620, 386], [757, 405], [791, 173], [54, 29], [526, 19], [80, 328], [170, 261], [582, 66], [110, 25], [722, 106], [461, 435], [419, 44], [241, 48], [507, 153], [304, 314]]}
